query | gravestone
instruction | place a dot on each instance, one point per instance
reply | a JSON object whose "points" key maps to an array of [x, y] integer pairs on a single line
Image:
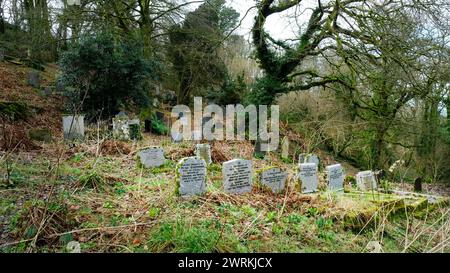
{"points": [[191, 176], [73, 127], [34, 79], [237, 176], [309, 158], [204, 151], [2, 54], [152, 157], [366, 181], [285, 148], [335, 177], [302, 158], [126, 129], [308, 177], [273, 178]]}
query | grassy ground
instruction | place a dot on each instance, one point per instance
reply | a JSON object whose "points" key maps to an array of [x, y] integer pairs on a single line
{"points": [[98, 196]]}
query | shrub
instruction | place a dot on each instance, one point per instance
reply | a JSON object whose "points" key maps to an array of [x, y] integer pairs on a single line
{"points": [[105, 75]]}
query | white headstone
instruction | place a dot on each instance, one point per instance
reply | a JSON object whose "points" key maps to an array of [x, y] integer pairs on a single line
{"points": [[204, 151], [335, 177], [237, 176], [191, 176], [308, 177], [274, 178], [366, 181], [308, 158], [152, 157], [73, 127]]}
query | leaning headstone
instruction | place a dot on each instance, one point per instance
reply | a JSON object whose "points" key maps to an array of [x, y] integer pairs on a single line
{"points": [[237, 176], [34, 79], [308, 177], [191, 176], [335, 177], [366, 181], [285, 148], [204, 151], [152, 157], [73, 127], [273, 178]]}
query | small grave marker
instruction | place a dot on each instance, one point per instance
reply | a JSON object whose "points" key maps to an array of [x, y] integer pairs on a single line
{"points": [[191, 176], [237, 176]]}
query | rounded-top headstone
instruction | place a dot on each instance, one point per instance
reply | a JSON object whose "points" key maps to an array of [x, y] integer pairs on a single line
{"points": [[335, 177]]}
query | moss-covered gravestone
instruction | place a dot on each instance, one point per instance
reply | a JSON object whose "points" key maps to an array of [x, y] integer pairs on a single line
{"points": [[191, 176], [126, 129], [204, 151], [273, 178], [237, 176], [308, 177], [151, 157], [335, 177], [366, 181]]}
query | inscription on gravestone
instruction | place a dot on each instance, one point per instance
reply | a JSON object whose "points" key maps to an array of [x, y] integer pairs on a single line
{"points": [[191, 176], [237, 176], [308, 177], [335, 177], [274, 178], [152, 157]]}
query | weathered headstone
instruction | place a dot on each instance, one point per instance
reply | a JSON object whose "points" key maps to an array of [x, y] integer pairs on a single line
{"points": [[237, 176], [285, 148], [309, 158], [191, 176], [204, 151], [73, 127], [126, 129], [335, 177], [274, 178], [308, 177], [151, 157], [366, 181], [34, 79]]}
